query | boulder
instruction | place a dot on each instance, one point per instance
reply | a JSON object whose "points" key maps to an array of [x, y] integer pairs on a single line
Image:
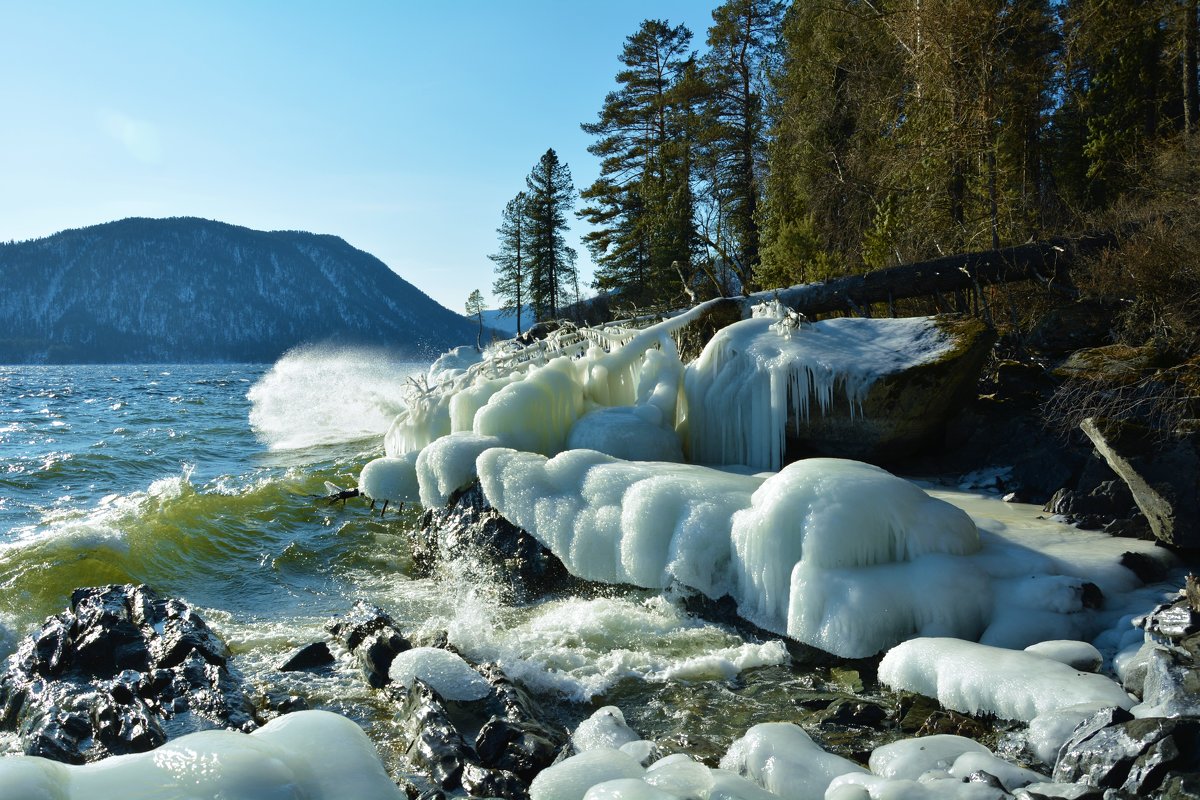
{"points": [[1133, 756], [373, 637], [122, 670], [1163, 476], [903, 412]]}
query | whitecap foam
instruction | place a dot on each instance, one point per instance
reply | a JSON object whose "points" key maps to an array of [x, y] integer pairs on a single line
{"points": [[319, 395]]}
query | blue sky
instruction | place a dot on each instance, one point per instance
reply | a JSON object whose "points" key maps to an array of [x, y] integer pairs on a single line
{"points": [[402, 127]]}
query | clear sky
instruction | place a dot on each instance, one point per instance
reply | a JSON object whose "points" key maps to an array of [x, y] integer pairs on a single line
{"points": [[402, 127]]}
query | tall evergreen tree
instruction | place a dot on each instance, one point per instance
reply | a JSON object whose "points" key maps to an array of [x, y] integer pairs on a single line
{"points": [[641, 205], [550, 197], [743, 47], [512, 258]]}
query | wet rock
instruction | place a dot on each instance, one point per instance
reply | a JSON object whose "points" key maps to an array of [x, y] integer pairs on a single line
{"points": [[482, 782], [372, 636], [1171, 685], [434, 744], [311, 656], [853, 711], [1163, 477], [1135, 756], [521, 748], [276, 704], [471, 531], [120, 671]]}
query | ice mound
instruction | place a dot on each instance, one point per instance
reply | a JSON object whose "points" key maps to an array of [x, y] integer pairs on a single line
{"points": [[315, 755], [622, 522], [445, 672], [535, 414], [825, 551], [448, 465], [756, 372], [784, 760], [1077, 655], [390, 479], [627, 432], [977, 678], [604, 729], [571, 778]]}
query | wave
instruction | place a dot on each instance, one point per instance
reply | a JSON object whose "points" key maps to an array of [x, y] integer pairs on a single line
{"points": [[322, 394]]}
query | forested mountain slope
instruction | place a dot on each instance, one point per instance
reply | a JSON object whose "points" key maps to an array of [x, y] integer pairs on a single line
{"points": [[194, 290]]}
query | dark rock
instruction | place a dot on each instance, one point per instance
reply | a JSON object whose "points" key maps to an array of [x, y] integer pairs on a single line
{"points": [[1181, 787], [1163, 477], [363, 620], [470, 530], [521, 748], [92, 682], [1133, 756], [434, 744], [853, 711], [372, 636], [311, 656], [902, 412], [482, 782], [376, 653], [277, 704]]}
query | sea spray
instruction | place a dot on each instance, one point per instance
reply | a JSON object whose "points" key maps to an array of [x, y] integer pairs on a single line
{"points": [[321, 394]]}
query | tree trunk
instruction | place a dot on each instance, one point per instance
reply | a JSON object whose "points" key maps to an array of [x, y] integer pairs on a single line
{"points": [[1047, 261]]}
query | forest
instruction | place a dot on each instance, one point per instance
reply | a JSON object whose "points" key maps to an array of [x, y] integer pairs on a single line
{"points": [[803, 141]]}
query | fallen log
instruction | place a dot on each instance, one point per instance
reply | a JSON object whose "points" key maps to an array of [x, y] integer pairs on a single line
{"points": [[1047, 261]]}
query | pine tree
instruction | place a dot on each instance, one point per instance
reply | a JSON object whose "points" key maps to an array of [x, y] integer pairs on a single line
{"points": [[743, 52], [642, 203], [512, 258], [475, 308], [550, 196]]}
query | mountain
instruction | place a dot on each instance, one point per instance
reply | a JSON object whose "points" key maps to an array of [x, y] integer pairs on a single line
{"points": [[194, 290]]}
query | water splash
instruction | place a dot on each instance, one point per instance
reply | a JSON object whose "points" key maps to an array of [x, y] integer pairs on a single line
{"points": [[320, 395]]}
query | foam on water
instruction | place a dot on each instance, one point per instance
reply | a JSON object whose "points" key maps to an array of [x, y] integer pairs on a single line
{"points": [[316, 395]]}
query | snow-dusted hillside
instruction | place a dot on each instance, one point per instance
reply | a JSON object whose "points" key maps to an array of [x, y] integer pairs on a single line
{"points": [[194, 290]]}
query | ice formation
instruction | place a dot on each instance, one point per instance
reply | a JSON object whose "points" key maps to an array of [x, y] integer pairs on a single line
{"points": [[571, 778], [1077, 655], [605, 728], [574, 439], [755, 373], [446, 673], [390, 479], [316, 755], [784, 760], [976, 678]]}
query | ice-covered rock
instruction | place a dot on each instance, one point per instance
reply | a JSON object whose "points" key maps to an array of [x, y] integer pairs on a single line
{"points": [[446, 673], [632, 433], [975, 678], [448, 465], [1077, 655], [311, 754], [390, 479], [784, 760], [571, 778], [604, 729], [849, 387]]}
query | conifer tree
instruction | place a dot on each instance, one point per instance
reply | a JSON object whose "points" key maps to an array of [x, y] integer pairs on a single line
{"points": [[642, 203], [550, 197], [512, 258], [475, 308], [742, 54]]}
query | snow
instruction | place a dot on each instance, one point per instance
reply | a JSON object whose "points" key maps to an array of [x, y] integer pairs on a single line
{"points": [[976, 678], [316, 755], [446, 673]]}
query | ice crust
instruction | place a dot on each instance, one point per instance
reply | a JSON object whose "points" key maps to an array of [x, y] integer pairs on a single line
{"points": [[314, 755], [784, 760], [576, 440], [389, 478], [446, 673], [976, 678], [754, 373]]}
